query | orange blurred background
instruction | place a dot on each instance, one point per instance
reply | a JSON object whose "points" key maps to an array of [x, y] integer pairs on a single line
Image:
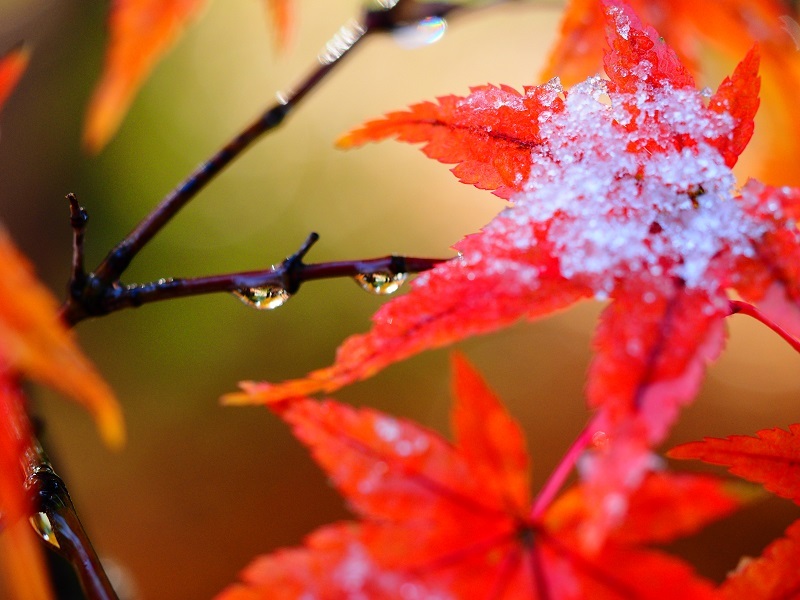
{"points": [[201, 489]]}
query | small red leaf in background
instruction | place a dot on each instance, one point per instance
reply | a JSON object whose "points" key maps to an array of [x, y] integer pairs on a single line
{"points": [[726, 27], [773, 576], [771, 458], [141, 31], [441, 520], [12, 66]]}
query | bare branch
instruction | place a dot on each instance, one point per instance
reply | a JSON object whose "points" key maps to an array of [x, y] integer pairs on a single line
{"points": [[289, 275]]}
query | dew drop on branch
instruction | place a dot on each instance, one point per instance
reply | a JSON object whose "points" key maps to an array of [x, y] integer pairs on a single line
{"points": [[428, 31], [263, 298], [44, 528], [381, 284]]}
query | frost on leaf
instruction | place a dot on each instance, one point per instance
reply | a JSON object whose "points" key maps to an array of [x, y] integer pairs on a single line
{"points": [[452, 520], [771, 458], [629, 197], [729, 28]]}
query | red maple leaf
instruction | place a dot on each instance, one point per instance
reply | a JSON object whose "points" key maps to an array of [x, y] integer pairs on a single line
{"points": [[772, 576], [453, 520], [771, 458], [141, 32], [630, 200], [728, 28]]}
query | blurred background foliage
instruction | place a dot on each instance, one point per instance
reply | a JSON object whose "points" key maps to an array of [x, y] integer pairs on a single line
{"points": [[201, 489]]}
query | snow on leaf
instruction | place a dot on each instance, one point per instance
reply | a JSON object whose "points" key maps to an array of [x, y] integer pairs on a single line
{"points": [[629, 197], [771, 458], [34, 342], [141, 31], [772, 576], [453, 521], [489, 134], [728, 26], [737, 96], [638, 54]]}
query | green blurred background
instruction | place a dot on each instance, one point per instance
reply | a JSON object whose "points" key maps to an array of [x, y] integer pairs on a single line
{"points": [[200, 489]]}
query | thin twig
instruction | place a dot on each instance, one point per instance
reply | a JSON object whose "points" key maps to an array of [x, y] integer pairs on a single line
{"points": [[401, 14], [289, 275], [77, 220], [737, 306], [557, 478]]}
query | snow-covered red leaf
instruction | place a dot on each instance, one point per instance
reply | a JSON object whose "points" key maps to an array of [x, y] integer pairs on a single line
{"points": [[140, 32], [729, 28], [771, 458], [488, 134], [638, 53], [631, 200], [772, 576], [737, 97], [453, 521]]}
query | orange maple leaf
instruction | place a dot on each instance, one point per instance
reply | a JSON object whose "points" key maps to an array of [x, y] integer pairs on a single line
{"points": [[141, 32], [282, 20], [729, 27], [632, 201], [442, 520], [772, 576], [35, 343], [771, 458]]}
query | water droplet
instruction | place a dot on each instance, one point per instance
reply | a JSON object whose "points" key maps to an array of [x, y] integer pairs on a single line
{"points": [[42, 525], [600, 440], [428, 31], [381, 284], [263, 298]]}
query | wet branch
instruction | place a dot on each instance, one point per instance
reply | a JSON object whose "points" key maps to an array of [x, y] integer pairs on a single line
{"points": [[58, 524], [401, 14], [286, 276]]}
